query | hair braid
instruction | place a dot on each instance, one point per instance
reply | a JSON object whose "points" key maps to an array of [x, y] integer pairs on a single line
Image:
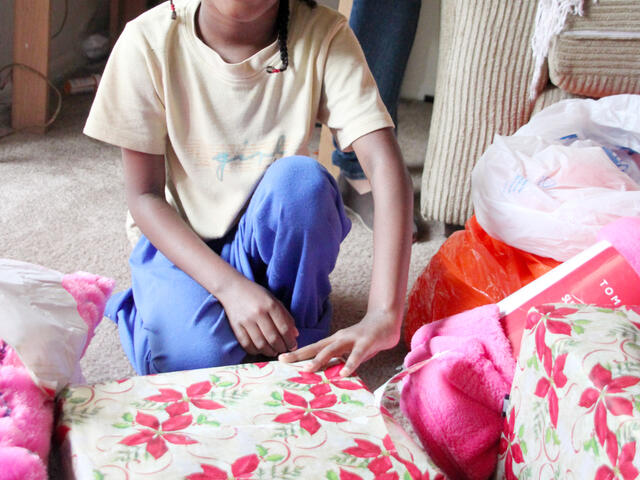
{"points": [[282, 26]]}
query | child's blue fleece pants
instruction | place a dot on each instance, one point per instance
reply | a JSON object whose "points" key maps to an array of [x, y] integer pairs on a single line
{"points": [[287, 241]]}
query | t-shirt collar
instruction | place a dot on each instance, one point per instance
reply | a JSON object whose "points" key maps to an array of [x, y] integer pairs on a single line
{"points": [[248, 68]]}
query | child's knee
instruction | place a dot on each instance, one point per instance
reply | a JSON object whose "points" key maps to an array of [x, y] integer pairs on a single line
{"points": [[201, 352], [302, 188], [298, 176], [296, 164], [201, 339]]}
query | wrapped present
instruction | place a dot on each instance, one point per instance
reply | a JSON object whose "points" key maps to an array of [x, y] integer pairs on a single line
{"points": [[574, 407], [255, 421]]}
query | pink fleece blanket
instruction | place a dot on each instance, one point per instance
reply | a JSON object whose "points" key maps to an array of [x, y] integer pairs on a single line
{"points": [[455, 401]]}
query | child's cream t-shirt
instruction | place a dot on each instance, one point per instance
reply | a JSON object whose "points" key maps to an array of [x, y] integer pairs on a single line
{"points": [[221, 125]]}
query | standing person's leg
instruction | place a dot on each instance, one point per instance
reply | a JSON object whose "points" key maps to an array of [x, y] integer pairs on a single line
{"points": [[287, 241], [386, 31]]}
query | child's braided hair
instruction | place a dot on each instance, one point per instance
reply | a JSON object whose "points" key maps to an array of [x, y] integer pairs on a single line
{"points": [[282, 26]]}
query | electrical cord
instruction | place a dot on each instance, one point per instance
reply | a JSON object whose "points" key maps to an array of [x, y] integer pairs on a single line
{"points": [[53, 118], [10, 66], [64, 19]]}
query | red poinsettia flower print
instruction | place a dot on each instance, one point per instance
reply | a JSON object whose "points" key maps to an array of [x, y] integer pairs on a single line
{"points": [[308, 411], [381, 463], [414, 471], [622, 465], [180, 402], [156, 435], [322, 386], [241, 469], [551, 311], [604, 399], [555, 377], [512, 449], [539, 320], [416, 474], [345, 475]]}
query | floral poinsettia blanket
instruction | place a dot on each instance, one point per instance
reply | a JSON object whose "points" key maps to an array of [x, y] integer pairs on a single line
{"points": [[254, 421]]}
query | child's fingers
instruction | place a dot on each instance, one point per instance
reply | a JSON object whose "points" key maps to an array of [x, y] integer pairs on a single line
{"points": [[272, 335], [258, 340], [304, 353], [244, 340], [285, 324], [333, 349], [356, 357]]}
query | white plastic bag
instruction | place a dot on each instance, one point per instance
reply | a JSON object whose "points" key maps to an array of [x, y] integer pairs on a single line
{"points": [[39, 319], [551, 186]]}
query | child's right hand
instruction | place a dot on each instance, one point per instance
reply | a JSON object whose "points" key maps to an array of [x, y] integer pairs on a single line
{"points": [[259, 321]]}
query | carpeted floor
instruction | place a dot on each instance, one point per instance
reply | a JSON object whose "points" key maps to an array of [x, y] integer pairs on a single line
{"points": [[63, 207]]}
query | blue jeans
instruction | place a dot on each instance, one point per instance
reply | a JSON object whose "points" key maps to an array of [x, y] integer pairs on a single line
{"points": [[385, 30], [287, 241]]}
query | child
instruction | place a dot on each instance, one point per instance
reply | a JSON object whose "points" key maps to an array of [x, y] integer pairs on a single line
{"points": [[212, 103]]}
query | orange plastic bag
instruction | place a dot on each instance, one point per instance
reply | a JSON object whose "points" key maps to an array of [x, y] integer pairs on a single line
{"points": [[470, 269]]}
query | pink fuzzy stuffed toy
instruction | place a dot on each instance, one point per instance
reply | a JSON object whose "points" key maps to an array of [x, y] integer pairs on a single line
{"points": [[26, 411]]}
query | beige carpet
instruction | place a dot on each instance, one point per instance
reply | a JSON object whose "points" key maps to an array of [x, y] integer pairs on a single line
{"points": [[63, 207]]}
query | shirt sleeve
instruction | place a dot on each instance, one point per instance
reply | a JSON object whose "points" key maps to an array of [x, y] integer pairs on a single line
{"points": [[128, 110], [350, 104]]}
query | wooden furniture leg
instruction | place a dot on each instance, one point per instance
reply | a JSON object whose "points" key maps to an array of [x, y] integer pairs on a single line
{"points": [[31, 35], [326, 139]]}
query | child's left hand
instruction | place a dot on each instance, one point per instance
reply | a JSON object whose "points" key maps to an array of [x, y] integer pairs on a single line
{"points": [[379, 154], [356, 344]]}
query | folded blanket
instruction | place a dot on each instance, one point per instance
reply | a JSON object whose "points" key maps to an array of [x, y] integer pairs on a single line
{"points": [[551, 17], [455, 401]]}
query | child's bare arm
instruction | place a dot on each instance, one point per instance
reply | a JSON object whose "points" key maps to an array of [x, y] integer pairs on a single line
{"points": [[260, 322], [381, 160]]}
